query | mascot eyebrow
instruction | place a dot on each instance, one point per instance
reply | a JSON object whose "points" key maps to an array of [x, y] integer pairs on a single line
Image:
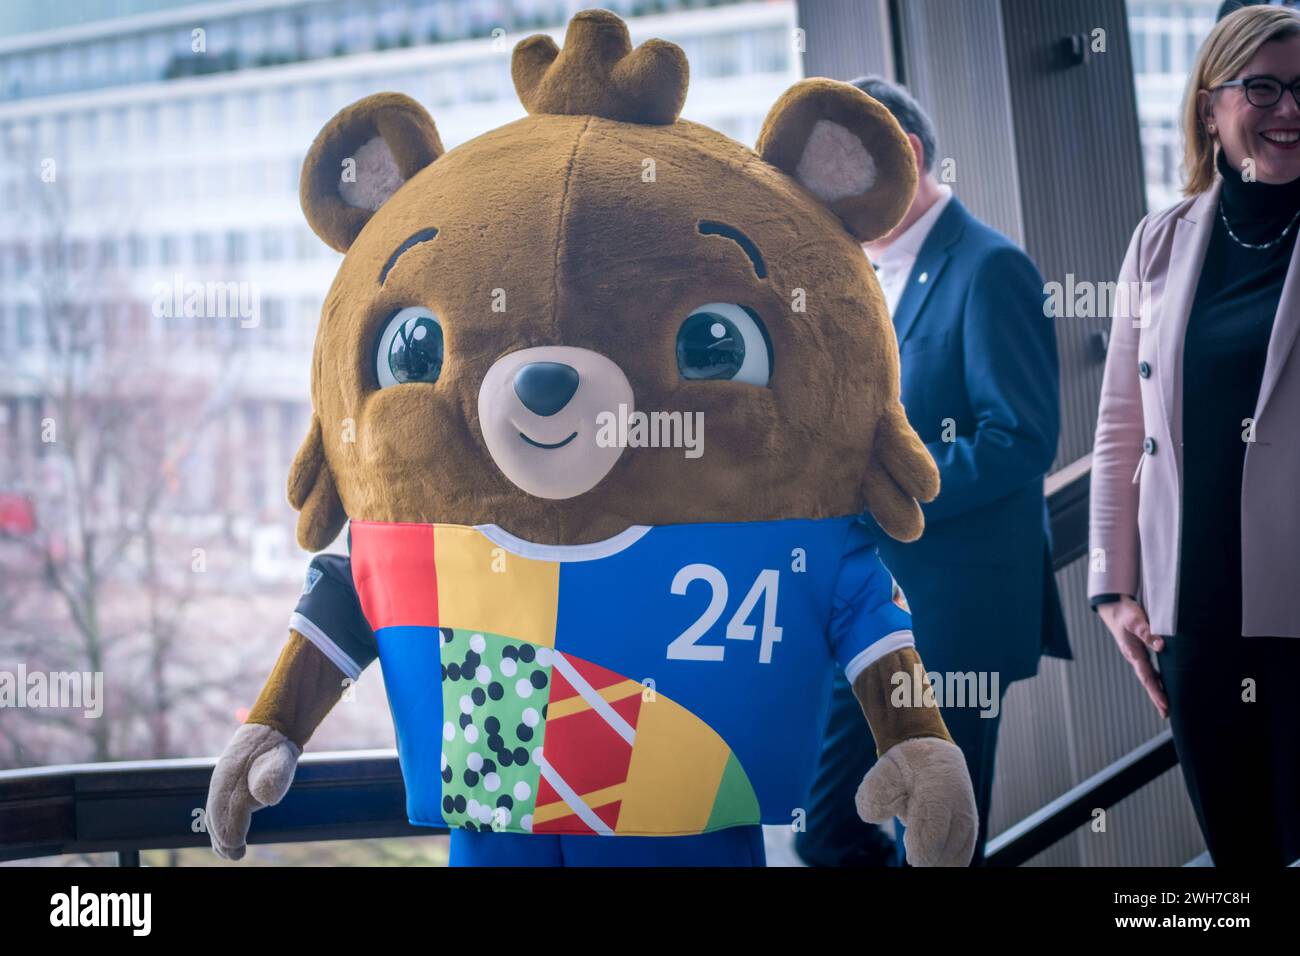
{"points": [[708, 227], [424, 235]]}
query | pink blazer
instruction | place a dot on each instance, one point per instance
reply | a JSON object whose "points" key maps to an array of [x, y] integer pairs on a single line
{"points": [[1137, 457]]}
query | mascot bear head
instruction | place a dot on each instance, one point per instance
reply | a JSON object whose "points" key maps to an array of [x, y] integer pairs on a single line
{"points": [[496, 303]]}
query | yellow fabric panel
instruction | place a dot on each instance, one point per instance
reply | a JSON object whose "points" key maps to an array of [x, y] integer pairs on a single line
{"points": [[482, 587], [677, 764], [595, 800], [575, 704]]}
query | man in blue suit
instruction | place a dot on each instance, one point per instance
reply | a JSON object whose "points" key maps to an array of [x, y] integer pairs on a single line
{"points": [[980, 385]]}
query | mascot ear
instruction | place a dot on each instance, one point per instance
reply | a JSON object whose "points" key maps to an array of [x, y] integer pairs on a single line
{"points": [[361, 157], [846, 149], [900, 473], [312, 493]]}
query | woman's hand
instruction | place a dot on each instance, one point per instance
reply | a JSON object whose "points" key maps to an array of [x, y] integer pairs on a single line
{"points": [[1129, 626]]}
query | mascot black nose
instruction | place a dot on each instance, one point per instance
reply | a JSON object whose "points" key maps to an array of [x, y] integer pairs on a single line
{"points": [[545, 387]]}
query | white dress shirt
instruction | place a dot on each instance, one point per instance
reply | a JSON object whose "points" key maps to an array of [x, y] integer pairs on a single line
{"points": [[894, 265]]}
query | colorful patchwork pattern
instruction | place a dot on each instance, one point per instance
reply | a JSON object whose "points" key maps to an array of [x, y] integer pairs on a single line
{"points": [[593, 694]]}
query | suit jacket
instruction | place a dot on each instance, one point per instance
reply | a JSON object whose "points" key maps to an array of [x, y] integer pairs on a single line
{"points": [[980, 383], [1137, 457]]}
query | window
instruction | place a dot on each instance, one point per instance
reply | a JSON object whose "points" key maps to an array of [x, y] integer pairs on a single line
{"points": [[249, 110], [202, 249], [236, 247], [272, 323], [221, 35], [137, 251], [320, 32], [69, 68], [216, 113], [283, 38], [97, 63], [156, 54], [122, 59], [182, 116], [308, 244], [117, 121], [358, 31], [272, 245], [149, 123], [772, 51], [169, 250], [26, 326], [107, 253], [284, 105], [252, 38], [393, 18], [217, 179]]}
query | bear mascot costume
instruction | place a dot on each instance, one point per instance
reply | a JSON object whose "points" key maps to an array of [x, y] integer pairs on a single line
{"points": [[602, 397]]}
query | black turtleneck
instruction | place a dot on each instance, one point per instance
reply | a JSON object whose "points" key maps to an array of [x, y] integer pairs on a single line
{"points": [[1223, 363]]}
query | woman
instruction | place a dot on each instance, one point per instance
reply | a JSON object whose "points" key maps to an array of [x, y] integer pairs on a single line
{"points": [[1195, 525]]}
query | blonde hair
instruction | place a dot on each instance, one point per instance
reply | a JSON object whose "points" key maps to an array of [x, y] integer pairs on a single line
{"points": [[1230, 46]]}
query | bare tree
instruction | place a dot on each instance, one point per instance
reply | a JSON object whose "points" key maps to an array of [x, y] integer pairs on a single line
{"points": [[103, 582]]}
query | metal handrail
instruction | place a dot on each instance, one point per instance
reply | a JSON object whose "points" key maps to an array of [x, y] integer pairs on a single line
{"points": [[1076, 807], [156, 804]]}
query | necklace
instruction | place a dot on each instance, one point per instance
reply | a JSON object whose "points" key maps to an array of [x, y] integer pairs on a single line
{"points": [[1252, 245]]}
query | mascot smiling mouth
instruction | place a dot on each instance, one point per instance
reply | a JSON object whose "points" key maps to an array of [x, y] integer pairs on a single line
{"points": [[558, 444]]}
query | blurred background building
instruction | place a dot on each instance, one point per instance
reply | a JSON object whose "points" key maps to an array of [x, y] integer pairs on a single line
{"points": [[1165, 35], [149, 143]]}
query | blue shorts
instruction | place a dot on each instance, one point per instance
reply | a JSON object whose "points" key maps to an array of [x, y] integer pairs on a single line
{"points": [[735, 846]]}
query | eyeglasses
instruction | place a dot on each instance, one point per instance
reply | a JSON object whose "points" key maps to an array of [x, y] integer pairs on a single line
{"points": [[1264, 91]]}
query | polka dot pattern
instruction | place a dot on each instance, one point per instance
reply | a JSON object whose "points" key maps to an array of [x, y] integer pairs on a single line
{"points": [[494, 692]]}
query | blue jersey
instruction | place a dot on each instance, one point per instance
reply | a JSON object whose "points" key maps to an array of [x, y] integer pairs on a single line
{"points": [[668, 681]]}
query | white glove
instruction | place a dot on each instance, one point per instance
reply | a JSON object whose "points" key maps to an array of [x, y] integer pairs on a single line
{"points": [[924, 782], [254, 771]]}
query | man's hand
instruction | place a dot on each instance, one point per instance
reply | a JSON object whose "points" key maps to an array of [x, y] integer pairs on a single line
{"points": [[924, 782], [254, 771], [1128, 624]]}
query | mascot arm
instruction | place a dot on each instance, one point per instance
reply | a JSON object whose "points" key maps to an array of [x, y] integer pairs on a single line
{"points": [[300, 691], [257, 766], [889, 724], [921, 776]]}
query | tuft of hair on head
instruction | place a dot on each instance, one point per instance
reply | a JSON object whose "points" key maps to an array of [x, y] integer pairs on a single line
{"points": [[598, 73]]}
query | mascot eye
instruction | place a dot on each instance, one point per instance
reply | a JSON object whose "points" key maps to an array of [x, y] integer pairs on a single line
{"points": [[409, 348], [722, 341]]}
